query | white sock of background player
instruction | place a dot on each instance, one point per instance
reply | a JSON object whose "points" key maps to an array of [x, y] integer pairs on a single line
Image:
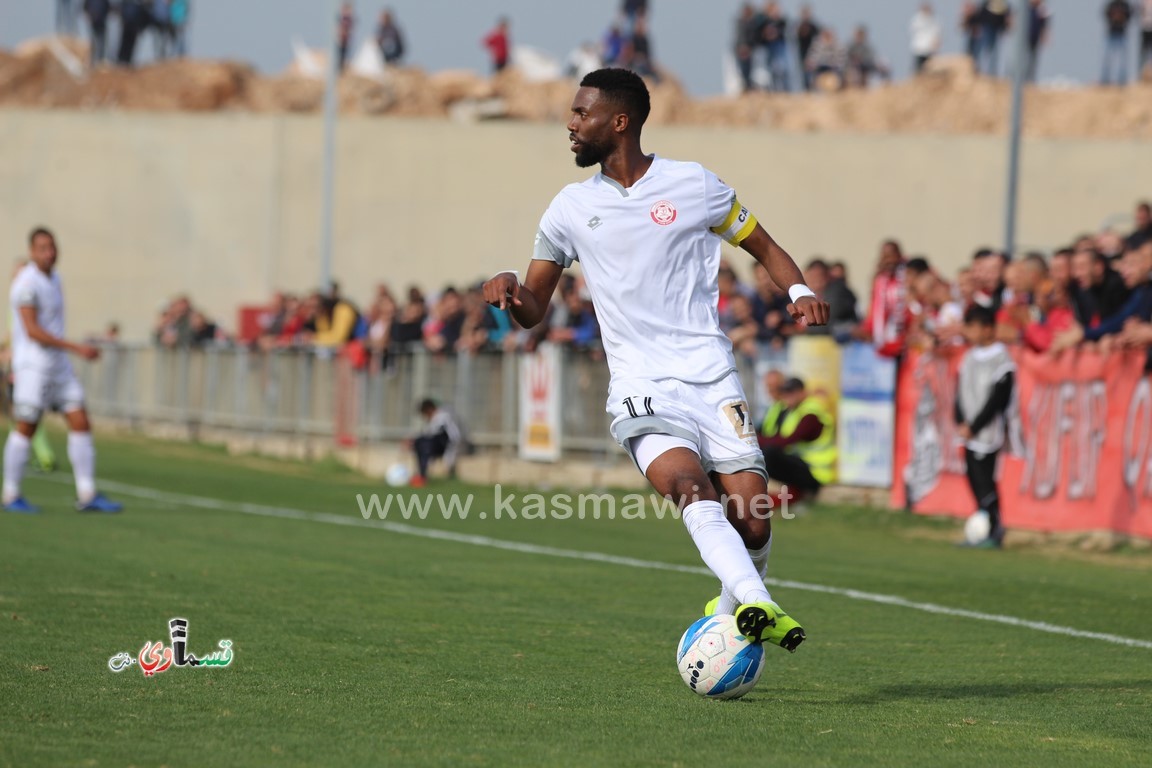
{"points": [[16, 451], [82, 454], [723, 551]]}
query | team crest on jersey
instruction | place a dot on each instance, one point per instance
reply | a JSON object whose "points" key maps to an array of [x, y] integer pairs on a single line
{"points": [[663, 213]]}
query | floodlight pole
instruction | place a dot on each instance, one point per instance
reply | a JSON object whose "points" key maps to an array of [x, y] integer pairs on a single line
{"points": [[1019, 69], [329, 158]]}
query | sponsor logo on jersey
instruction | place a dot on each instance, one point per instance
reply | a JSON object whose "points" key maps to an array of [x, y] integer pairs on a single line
{"points": [[739, 415], [663, 213], [594, 222]]}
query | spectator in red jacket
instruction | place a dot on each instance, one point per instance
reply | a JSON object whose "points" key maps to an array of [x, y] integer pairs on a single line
{"points": [[1052, 318], [498, 45], [1022, 280], [887, 317]]}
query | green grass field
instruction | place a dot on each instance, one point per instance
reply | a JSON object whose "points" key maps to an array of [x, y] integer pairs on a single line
{"points": [[360, 645]]}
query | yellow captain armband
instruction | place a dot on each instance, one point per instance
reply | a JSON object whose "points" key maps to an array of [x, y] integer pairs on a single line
{"points": [[737, 225]]}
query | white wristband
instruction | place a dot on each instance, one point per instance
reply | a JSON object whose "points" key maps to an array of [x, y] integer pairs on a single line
{"points": [[799, 291], [508, 272]]}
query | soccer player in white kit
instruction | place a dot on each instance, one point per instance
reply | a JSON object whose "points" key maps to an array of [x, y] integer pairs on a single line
{"points": [[647, 232], [43, 379]]}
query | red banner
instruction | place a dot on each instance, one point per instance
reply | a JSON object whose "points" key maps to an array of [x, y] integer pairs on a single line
{"points": [[1086, 429]]}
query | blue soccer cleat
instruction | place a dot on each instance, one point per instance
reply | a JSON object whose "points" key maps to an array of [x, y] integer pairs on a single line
{"points": [[21, 505], [100, 503]]}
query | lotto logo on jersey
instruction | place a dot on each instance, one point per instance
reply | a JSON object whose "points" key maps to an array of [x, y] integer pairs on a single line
{"points": [[663, 213]]}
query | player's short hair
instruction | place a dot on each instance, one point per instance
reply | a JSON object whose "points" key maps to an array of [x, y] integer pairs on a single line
{"points": [[427, 404], [37, 232], [818, 263], [978, 315], [624, 88]]}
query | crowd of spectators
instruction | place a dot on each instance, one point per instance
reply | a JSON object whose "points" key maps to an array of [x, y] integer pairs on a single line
{"points": [[454, 321], [795, 53], [389, 36], [167, 20], [1094, 291], [458, 320], [1097, 290], [181, 325], [805, 45], [627, 44]]}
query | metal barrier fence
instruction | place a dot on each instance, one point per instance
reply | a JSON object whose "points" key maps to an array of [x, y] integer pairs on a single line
{"points": [[306, 393]]}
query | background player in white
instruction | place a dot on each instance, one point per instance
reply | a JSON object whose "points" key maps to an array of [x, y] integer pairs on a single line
{"points": [[43, 379], [647, 232], [43, 456]]}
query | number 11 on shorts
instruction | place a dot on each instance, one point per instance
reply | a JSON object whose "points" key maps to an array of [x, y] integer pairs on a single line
{"points": [[637, 404]]}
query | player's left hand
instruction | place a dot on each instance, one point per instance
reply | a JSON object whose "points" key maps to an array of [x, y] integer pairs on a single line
{"points": [[810, 311]]}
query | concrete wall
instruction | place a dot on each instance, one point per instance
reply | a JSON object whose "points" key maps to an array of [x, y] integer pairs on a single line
{"points": [[226, 207]]}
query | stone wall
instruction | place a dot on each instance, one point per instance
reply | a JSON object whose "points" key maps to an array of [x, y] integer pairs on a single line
{"points": [[226, 206]]}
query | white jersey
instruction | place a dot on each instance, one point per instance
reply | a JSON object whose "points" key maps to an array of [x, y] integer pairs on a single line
{"points": [[33, 288], [650, 259]]}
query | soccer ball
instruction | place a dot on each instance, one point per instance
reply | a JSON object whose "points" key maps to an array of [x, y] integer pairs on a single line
{"points": [[977, 527], [398, 475], [717, 661]]}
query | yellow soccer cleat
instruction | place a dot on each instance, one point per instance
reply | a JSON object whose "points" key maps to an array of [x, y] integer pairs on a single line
{"points": [[711, 605], [767, 623]]}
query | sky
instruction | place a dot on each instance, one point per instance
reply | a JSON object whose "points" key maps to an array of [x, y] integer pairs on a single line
{"points": [[689, 37]]}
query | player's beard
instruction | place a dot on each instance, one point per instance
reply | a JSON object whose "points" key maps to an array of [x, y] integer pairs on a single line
{"points": [[592, 153]]}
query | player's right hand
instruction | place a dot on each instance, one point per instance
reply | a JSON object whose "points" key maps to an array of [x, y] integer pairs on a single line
{"points": [[810, 311], [87, 351], [502, 290]]}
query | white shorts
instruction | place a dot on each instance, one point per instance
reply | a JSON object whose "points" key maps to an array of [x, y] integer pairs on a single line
{"points": [[34, 392], [713, 417]]}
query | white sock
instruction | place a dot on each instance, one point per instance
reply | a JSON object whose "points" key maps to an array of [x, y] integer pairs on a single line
{"points": [[760, 558], [82, 454], [728, 603], [723, 551], [15, 458]]}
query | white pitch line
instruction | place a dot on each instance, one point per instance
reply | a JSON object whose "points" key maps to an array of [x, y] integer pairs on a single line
{"points": [[602, 557]]}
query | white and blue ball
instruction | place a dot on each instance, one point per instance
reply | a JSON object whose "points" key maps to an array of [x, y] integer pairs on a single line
{"points": [[398, 475], [716, 660], [977, 527]]}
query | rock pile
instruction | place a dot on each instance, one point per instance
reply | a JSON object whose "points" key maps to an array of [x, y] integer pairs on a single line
{"points": [[949, 99]]}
